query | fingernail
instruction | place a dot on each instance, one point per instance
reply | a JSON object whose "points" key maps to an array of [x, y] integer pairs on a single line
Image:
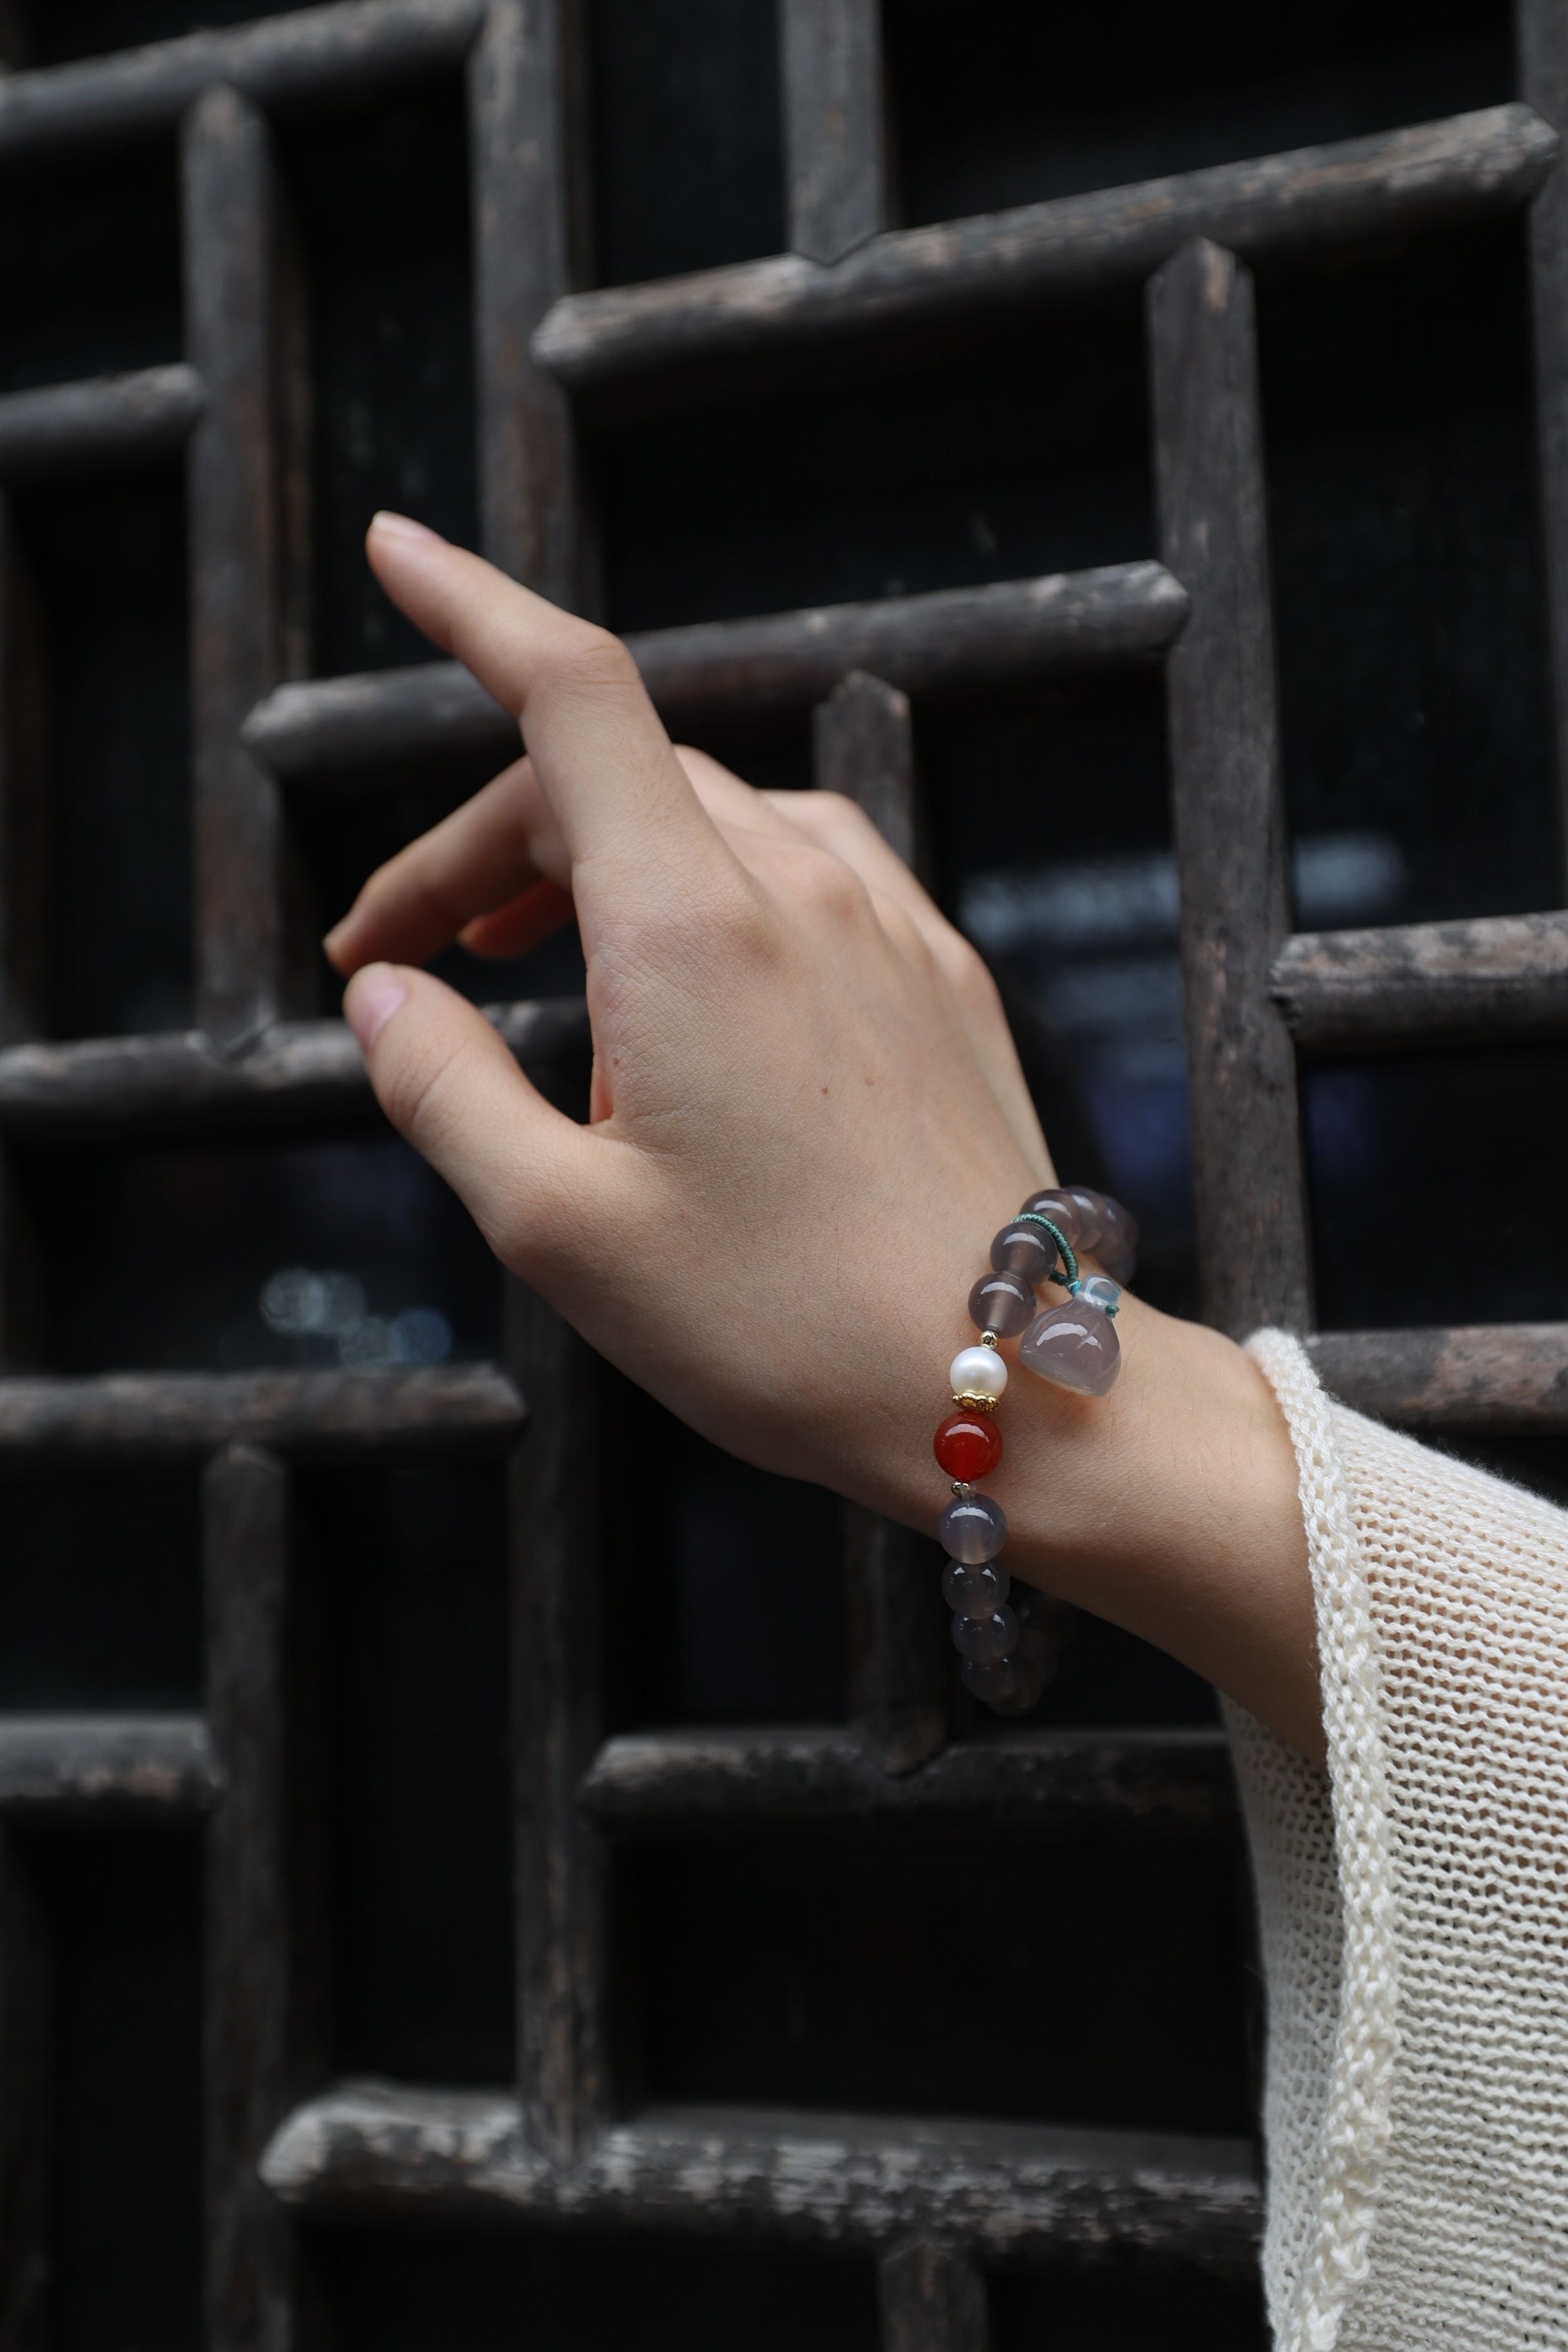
{"points": [[372, 996], [399, 526]]}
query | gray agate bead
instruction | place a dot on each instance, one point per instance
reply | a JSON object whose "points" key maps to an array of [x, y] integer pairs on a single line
{"points": [[1090, 1207], [1074, 1345], [1098, 1290], [1026, 1250], [972, 1528], [1000, 1683], [985, 1638], [1002, 1303], [1063, 1210], [1117, 1247], [974, 1591]]}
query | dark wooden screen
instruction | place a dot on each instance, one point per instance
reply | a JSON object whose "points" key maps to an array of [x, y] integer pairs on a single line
{"points": [[554, 1983]]}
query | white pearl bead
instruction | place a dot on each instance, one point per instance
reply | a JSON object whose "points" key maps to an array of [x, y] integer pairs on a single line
{"points": [[978, 1371]]}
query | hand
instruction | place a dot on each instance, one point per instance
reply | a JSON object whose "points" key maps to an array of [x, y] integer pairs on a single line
{"points": [[806, 1120]]}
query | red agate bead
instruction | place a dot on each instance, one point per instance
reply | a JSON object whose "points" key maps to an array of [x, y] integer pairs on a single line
{"points": [[968, 1446]]}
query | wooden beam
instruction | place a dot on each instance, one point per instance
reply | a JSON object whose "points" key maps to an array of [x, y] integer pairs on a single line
{"points": [[238, 595], [63, 432], [757, 316], [1495, 977], [1508, 1379], [518, 84], [60, 1768], [296, 1074], [251, 1932], [26, 901], [959, 641], [26, 1971], [182, 1417], [863, 745], [1542, 34], [552, 1490], [899, 1652], [1147, 1784], [835, 135], [1229, 803], [1028, 2194], [932, 2298], [311, 57]]}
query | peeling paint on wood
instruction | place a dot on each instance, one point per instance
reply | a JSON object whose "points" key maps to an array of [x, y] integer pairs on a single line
{"points": [[97, 1766], [295, 1074], [757, 314], [1012, 2192], [1424, 983], [956, 641], [182, 1417], [1507, 1377]]}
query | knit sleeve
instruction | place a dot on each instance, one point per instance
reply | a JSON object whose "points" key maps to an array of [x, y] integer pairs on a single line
{"points": [[1413, 1904]]}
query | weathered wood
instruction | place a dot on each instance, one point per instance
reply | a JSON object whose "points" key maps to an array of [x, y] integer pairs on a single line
{"points": [[295, 1074], [552, 1494], [26, 899], [760, 315], [1503, 1377], [830, 54], [1228, 801], [250, 1957], [307, 58], [863, 745], [237, 591], [1034, 2195], [932, 2299], [1542, 35], [1424, 983], [65, 431], [25, 2107], [1157, 1784], [182, 1417], [958, 640], [899, 1640], [25, 793], [518, 85], [96, 1767]]}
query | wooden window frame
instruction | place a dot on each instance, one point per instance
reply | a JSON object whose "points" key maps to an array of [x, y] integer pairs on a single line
{"points": [[933, 2202]]}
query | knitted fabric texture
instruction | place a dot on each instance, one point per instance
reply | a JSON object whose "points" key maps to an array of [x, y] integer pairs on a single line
{"points": [[1413, 1906]]}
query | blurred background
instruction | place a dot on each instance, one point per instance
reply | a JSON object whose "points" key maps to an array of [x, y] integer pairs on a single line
{"points": [[1085, 1983]]}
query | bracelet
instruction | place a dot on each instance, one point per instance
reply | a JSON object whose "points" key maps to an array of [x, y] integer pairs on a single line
{"points": [[1009, 1649]]}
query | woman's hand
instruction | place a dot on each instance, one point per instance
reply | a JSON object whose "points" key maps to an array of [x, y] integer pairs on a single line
{"points": [[806, 1121]]}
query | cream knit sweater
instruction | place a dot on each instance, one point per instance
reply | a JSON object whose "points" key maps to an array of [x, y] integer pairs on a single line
{"points": [[1414, 1906]]}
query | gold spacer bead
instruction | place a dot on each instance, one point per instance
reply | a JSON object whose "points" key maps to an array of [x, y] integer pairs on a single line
{"points": [[974, 1401], [988, 1339]]}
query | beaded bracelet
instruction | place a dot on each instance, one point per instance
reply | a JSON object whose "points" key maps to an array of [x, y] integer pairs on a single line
{"points": [[1009, 1650]]}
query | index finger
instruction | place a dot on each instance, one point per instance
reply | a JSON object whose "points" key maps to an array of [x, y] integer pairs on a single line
{"points": [[601, 758]]}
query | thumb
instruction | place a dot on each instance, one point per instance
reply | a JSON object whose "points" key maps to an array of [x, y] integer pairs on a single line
{"points": [[535, 1182]]}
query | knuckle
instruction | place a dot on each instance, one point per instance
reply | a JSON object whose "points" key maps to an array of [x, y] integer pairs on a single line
{"points": [[588, 658], [419, 1094], [969, 974], [836, 818], [726, 925], [837, 890]]}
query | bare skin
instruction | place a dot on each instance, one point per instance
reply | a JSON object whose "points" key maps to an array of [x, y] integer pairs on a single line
{"points": [[806, 1120]]}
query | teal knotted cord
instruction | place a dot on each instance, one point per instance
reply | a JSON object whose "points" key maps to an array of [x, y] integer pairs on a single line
{"points": [[1033, 1217]]}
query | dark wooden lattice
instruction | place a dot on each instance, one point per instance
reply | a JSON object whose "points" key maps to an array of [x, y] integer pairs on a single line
{"points": [[936, 2202]]}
